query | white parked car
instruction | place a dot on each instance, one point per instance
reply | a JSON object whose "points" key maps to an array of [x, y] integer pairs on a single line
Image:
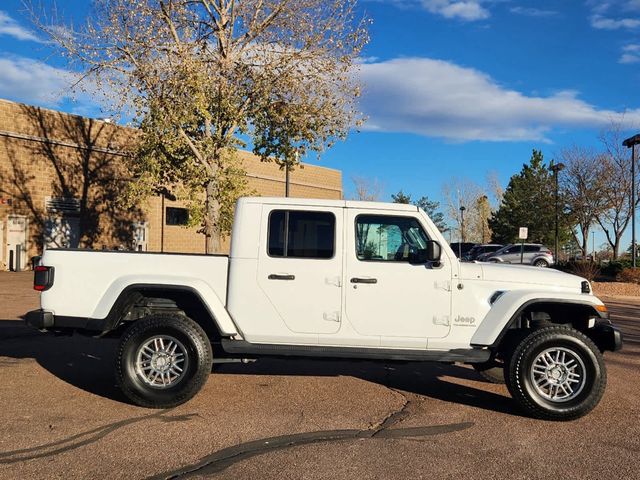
{"points": [[322, 278]]}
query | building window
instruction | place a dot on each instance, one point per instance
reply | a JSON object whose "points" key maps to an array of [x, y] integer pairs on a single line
{"points": [[177, 216], [388, 239], [293, 233]]}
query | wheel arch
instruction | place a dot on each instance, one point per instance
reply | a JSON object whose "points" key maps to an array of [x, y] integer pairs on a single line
{"points": [[137, 300], [500, 323]]}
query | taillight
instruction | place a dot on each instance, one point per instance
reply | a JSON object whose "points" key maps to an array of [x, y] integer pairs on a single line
{"points": [[43, 278]]}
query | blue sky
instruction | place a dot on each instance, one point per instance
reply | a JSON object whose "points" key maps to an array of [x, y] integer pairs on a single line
{"points": [[452, 89]]}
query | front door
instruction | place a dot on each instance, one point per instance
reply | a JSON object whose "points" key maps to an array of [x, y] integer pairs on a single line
{"points": [[386, 295], [300, 270]]}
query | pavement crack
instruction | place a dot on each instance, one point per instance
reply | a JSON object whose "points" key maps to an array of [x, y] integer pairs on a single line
{"points": [[394, 417], [222, 459]]}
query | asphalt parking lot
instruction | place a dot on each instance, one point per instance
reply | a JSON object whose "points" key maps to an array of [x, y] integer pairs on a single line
{"points": [[62, 417]]}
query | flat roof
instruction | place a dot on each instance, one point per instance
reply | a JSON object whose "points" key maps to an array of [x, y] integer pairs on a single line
{"points": [[317, 202]]}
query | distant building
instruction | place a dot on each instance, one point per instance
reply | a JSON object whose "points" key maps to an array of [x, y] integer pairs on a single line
{"points": [[61, 184]]}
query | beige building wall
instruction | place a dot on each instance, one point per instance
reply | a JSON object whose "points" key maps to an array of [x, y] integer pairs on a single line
{"points": [[46, 154]]}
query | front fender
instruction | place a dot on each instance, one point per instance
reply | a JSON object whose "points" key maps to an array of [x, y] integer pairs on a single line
{"points": [[510, 305]]}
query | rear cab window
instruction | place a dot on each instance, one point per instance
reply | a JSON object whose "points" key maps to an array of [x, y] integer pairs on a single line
{"points": [[301, 234]]}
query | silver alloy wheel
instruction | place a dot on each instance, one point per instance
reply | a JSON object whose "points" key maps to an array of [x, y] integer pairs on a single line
{"points": [[558, 374], [161, 361]]}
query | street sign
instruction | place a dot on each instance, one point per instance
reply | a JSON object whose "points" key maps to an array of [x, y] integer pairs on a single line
{"points": [[524, 233]]}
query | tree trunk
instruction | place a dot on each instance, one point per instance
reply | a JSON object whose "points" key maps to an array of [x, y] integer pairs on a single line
{"points": [[211, 214], [616, 247]]}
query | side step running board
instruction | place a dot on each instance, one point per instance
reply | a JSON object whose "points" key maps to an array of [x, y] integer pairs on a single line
{"points": [[241, 347]]}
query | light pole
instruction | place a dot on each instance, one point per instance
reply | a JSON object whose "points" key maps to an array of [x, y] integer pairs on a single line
{"points": [[462, 209], [631, 142], [482, 202], [555, 168]]}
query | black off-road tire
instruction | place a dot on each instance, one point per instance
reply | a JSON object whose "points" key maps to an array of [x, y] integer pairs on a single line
{"points": [[197, 349], [520, 384], [492, 372]]}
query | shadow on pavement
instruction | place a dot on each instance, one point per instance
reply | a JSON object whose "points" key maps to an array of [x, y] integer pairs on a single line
{"points": [[88, 363], [84, 362]]}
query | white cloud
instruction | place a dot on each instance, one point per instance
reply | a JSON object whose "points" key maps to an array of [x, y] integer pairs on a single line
{"points": [[441, 99], [629, 58], [468, 10], [630, 54], [532, 12], [36, 83], [8, 26], [604, 23]]}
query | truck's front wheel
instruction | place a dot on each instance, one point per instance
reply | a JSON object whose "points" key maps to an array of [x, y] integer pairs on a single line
{"points": [[557, 373], [163, 361]]}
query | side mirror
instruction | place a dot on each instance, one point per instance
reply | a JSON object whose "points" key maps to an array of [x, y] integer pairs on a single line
{"points": [[434, 251], [431, 254]]}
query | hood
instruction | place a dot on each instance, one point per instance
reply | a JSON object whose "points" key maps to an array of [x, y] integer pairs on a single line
{"points": [[520, 274]]}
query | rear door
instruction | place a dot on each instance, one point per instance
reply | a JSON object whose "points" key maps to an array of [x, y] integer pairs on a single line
{"points": [[300, 268]]}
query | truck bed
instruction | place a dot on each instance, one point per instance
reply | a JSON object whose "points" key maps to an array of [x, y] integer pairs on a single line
{"points": [[101, 275]]}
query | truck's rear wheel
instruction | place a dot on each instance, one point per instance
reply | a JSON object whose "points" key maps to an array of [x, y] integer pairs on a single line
{"points": [[163, 361], [557, 373]]}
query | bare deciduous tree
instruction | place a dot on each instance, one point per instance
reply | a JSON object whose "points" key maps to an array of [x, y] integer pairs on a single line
{"points": [[581, 190], [614, 169], [468, 194], [366, 189], [203, 75]]}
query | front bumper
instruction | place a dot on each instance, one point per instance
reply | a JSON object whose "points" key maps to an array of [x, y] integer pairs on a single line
{"points": [[606, 336]]}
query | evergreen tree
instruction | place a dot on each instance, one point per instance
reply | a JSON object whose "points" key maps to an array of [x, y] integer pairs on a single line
{"points": [[529, 201], [430, 207]]}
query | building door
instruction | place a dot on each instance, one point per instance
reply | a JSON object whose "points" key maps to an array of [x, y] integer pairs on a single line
{"points": [[2, 261], [62, 232], [17, 242], [141, 236]]}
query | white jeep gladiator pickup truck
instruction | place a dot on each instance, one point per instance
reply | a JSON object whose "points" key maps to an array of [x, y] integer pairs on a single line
{"points": [[322, 278]]}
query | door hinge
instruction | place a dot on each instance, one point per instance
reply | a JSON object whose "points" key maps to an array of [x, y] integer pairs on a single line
{"points": [[331, 316]]}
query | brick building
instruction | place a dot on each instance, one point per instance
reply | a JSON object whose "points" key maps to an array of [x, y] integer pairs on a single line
{"points": [[62, 177]]}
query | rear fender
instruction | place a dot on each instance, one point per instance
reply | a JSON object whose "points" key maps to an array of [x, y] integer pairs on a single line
{"points": [[115, 298]]}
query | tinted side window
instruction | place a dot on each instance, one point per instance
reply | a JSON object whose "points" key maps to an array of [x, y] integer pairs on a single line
{"points": [[531, 248], [294, 233], [387, 238]]}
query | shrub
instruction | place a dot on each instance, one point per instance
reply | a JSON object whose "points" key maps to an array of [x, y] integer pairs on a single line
{"points": [[585, 269], [629, 275], [615, 267]]}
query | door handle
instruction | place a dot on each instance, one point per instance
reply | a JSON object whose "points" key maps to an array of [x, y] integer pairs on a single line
{"points": [[364, 280], [277, 276]]}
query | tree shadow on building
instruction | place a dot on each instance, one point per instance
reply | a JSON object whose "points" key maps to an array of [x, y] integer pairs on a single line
{"points": [[67, 170]]}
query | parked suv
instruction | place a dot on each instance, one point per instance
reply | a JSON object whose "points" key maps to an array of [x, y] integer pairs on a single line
{"points": [[462, 249], [534, 254], [483, 249]]}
